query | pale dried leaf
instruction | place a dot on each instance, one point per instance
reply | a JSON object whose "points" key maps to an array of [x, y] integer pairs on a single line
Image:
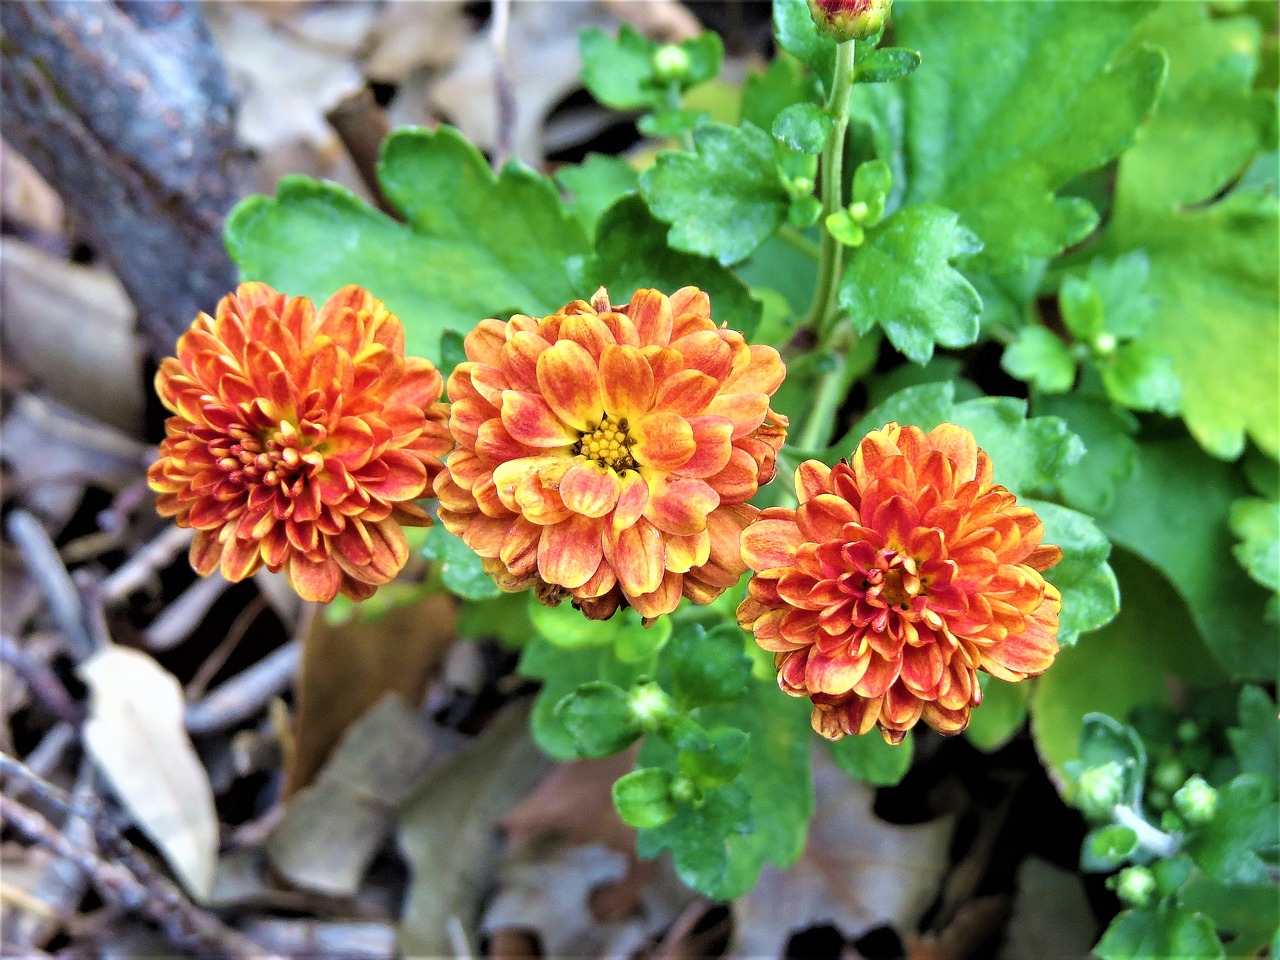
{"points": [[410, 35], [25, 197], [449, 830], [72, 329], [544, 69], [136, 736], [1051, 915], [332, 829], [332, 940], [857, 871], [285, 84], [575, 801]]}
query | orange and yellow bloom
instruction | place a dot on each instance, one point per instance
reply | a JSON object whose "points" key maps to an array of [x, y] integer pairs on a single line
{"points": [[607, 453], [899, 576], [300, 440]]}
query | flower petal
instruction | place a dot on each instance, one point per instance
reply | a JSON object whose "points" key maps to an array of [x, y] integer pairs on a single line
{"points": [[679, 505], [589, 489], [771, 544], [650, 311], [530, 419], [637, 557], [569, 381], [570, 551], [662, 440], [626, 383]]}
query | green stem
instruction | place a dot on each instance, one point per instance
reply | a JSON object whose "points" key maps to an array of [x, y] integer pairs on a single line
{"points": [[831, 390], [822, 312], [798, 241], [675, 101]]}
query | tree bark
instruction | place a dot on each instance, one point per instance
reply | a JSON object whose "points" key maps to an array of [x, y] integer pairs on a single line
{"points": [[126, 110]]}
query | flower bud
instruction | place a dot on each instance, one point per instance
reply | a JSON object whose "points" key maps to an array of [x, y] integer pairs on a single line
{"points": [[649, 704], [1135, 886], [1100, 790], [1196, 801], [1169, 775], [843, 20], [670, 63]]}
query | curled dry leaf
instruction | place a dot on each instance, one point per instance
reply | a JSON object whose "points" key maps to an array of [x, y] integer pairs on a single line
{"points": [[333, 828], [857, 871], [136, 736], [1051, 914], [72, 329]]}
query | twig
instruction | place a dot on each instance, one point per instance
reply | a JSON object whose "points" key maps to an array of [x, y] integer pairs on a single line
{"points": [[126, 872], [214, 662], [184, 614], [53, 580], [116, 517], [362, 125], [506, 100], [246, 693], [183, 923], [47, 754], [41, 681], [142, 565]]}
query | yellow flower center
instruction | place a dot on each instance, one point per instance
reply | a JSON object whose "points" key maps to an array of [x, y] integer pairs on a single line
{"points": [[608, 444]]}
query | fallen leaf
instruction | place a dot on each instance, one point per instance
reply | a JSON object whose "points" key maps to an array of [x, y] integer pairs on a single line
{"points": [[1051, 915], [409, 35], [332, 829], [346, 668], [332, 940], [25, 197], [449, 831], [72, 329], [857, 872], [136, 736], [575, 801]]}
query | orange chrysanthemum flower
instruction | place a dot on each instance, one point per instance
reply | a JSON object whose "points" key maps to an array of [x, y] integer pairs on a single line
{"points": [[300, 441], [898, 577], [608, 453]]}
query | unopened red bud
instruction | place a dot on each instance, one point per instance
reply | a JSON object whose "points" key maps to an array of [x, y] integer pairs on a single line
{"points": [[843, 20]]}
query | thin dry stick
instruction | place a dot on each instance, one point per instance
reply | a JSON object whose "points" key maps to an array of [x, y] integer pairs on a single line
{"points": [[213, 663], [143, 564], [121, 875], [246, 693], [54, 582], [185, 613], [506, 100], [41, 681]]}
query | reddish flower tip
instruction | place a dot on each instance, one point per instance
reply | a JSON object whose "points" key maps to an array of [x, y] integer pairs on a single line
{"points": [[300, 440], [843, 20], [607, 453], [899, 576]]}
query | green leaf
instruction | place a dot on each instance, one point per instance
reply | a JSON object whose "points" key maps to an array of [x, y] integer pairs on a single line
{"points": [[1001, 120], [886, 65], [1001, 714], [1214, 267], [706, 54], [474, 246], [1106, 848], [598, 718], [1248, 911], [669, 123], [773, 794], [632, 253], [797, 34], [1105, 740], [903, 278], [1128, 662], [765, 95], [925, 406], [1110, 454], [1174, 479], [1041, 359], [868, 759], [1256, 742], [872, 182], [619, 70], [724, 199], [1257, 523], [563, 670], [1140, 377], [1081, 305], [459, 567], [596, 184], [643, 798], [1090, 594], [1161, 934], [711, 758], [1244, 829], [1027, 454], [804, 127], [1121, 286], [708, 666]]}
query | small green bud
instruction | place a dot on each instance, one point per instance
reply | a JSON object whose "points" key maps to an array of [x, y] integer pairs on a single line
{"points": [[1169, 775], [670, 63], [1196, 801], [1104, 343], [858, 210], [649, 704], [1188, 731], [1158, 799], [1100, 790], [843, 20], [1136, 886]]}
